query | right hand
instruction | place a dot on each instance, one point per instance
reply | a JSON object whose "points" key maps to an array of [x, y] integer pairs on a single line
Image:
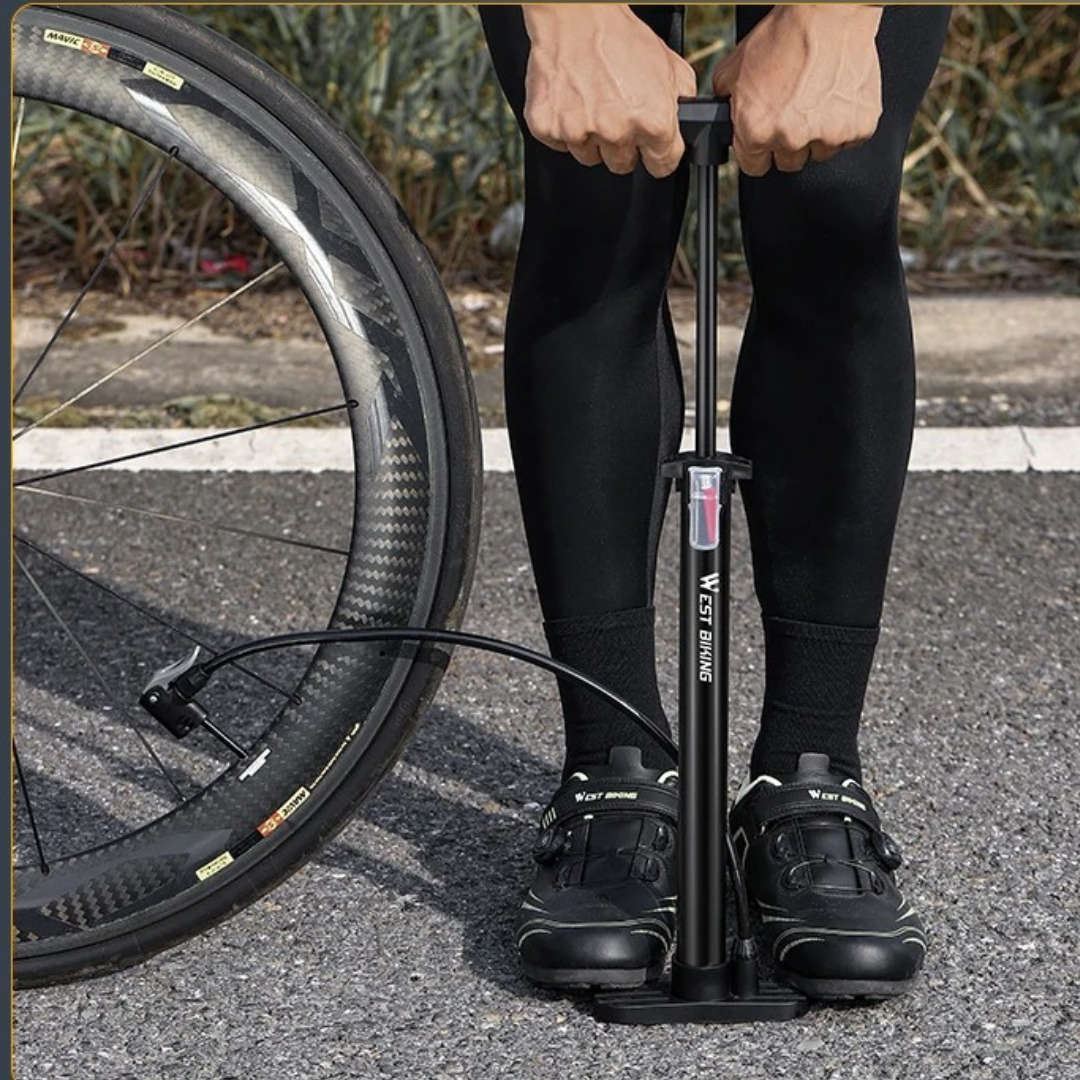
{"points": [[601, 85], [804, 84]]}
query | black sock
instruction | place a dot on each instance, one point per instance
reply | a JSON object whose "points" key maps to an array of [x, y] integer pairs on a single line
{"points": [[617, 649], [815, 683]]}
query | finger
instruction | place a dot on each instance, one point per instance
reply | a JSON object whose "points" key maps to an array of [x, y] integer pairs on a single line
{"points": [[686, 80], [543, 130], [553, 144], [823, 151], [752, 162], [790, 161], [820, 151], [619, 159], [550, 141], [585, 153], [662, 147], [857, 141], [665, 162], [542, 124], [753, 156]]}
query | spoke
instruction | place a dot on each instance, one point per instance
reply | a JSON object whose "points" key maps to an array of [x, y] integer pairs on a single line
{"points": [[120, 710], [232, 746], [350, 404], [18, 131], [145, 194], [43, 862], [153, 616], [134, 359], [186, 520]]}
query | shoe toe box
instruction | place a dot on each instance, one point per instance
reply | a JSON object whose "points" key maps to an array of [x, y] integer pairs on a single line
{"points": [[629, 945], [856, 956], [604, 936]]}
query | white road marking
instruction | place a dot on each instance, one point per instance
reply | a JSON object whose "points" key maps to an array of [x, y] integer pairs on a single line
{"points": [[272, 450]]}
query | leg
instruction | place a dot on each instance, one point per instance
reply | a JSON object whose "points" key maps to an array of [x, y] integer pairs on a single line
{"points": [[823, 404], [594, 404]]}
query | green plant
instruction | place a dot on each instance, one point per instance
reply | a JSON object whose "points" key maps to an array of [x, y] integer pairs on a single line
{"points": [[993, 164], [996, 151], [413, 86]]}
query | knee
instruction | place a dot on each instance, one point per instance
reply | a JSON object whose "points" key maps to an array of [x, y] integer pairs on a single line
{"points": [[828, 230], [597, 249], [587, 225]]}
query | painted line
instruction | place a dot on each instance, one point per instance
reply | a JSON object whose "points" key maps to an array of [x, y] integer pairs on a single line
{"points": [[997, 449], [268, 450]]}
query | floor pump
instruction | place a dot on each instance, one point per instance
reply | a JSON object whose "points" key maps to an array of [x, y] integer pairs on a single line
{"points": [[707, 983]]}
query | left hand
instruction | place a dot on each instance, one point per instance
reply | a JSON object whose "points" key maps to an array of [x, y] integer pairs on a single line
{"points": [[805, 83]]}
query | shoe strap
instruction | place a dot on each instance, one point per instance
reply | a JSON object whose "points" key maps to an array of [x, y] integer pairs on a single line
{"points": [[610, 795], [773, 805]]}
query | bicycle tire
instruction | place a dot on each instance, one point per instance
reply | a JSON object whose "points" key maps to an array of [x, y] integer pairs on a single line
{"points": [[416, 443]]}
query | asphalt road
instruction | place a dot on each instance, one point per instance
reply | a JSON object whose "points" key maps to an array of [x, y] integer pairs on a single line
{"points": [[391, 955]]}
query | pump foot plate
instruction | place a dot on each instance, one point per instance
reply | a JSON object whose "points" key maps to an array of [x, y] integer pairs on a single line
{"points": [[656, 1006]]}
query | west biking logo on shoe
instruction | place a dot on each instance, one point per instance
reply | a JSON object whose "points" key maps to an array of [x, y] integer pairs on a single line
{"points": [[592, 796], [830, 796]]}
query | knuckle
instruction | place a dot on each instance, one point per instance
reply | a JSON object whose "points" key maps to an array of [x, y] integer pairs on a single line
{"points": [[613, 133], [541, 123], [660, 166], [789, 142], [755, 127], [751, 162], [575, 135], [535, 109], [619, 159], [656, 128], [756, 137]]}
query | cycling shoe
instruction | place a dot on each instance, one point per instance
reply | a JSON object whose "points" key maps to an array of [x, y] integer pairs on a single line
{"points": [[821, 872], [601, 909]]}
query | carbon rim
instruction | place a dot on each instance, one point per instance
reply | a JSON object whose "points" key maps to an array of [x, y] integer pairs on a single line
{"points": [[382, 355]]}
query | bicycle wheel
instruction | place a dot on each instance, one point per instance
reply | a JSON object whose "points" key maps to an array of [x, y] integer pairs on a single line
{"points": [[318, 730]]}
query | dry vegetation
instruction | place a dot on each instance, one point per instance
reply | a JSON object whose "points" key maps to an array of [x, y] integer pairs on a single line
{"points": [[993, 171]]}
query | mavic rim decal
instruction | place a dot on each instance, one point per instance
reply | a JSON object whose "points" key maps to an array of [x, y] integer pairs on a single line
{"points": [[112, 52]]}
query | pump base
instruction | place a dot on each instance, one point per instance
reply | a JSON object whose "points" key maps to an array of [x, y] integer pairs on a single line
{"points": [[656, 1006]]}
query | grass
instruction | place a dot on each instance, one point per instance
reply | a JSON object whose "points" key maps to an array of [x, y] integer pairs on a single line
{"points": [[195, 411]]}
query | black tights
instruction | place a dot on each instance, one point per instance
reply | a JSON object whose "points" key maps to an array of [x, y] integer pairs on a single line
{"points": [[822, 404]]}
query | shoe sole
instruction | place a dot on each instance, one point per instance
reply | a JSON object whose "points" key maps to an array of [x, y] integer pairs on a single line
{"points": [[845, 989], [592, 978]]}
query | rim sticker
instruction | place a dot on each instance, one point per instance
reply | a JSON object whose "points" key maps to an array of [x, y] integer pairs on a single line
{"points": [[163, 75], [75, 41], [212, 867], [283, 811], [111, 52]]}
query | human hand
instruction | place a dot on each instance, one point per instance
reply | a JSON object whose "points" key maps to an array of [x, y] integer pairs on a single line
{"points": [[804, 83], [601, 85]]}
